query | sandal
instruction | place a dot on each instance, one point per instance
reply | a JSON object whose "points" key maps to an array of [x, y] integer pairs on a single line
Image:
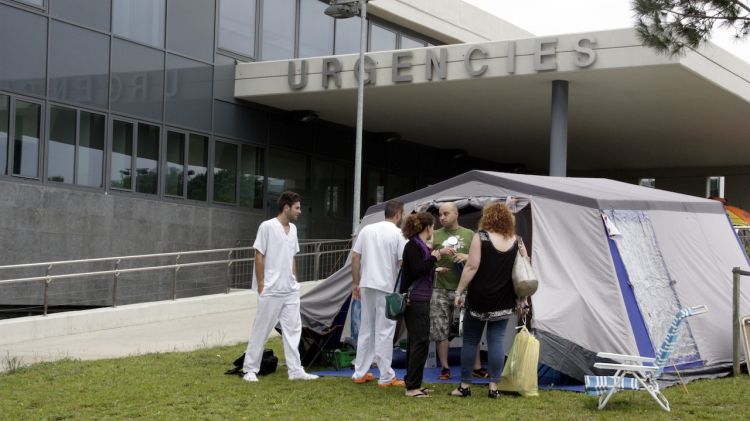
{"points": [[445, 374], [493, 394], [481, 373], [461, 392], [419, 394], [426, 390]]}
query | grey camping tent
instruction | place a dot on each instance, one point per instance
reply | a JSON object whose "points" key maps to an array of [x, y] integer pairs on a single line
{"points": [[615, 262]]}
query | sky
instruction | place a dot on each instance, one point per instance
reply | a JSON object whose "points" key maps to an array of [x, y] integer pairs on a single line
{"points": [[552, 17]]}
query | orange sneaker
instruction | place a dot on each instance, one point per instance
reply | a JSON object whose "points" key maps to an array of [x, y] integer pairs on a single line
{"points": [[368, 377], [393, 383]]}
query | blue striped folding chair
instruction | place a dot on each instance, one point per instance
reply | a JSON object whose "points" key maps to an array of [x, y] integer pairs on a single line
{"points": [[634, 372]]}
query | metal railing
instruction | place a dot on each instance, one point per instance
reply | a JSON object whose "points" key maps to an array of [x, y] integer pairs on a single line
{"points": [[736, 274], [317, 259]]}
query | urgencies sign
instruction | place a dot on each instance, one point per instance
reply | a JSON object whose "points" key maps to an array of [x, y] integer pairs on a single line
{"points": [[436, 63]]}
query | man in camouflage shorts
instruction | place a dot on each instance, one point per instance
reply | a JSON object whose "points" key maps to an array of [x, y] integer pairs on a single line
{"points": [[448, 274]]}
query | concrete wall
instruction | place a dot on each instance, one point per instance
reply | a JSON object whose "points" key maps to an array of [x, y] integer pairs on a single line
{"points": [[46, 223]]}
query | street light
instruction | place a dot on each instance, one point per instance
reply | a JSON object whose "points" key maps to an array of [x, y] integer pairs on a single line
{"points": [[343, 10]]}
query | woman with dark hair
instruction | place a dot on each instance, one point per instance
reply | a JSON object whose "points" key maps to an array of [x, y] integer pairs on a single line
{"points": [[490, 298], [417, 274]]}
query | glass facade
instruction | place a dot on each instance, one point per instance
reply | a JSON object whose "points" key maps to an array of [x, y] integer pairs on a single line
{"points": [[137, 97]]}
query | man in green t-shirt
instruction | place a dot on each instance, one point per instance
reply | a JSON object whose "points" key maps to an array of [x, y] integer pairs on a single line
{"points": [[448, 273]]}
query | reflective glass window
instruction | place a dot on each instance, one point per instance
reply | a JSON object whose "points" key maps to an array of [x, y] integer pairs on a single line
{"points": [[139, 20], [315, 29], [190, 28], [251, 177], [407, 42], [225, 172], [93, 13], [175, 164], [241, 122], [62, 144], [39, 3], [197, 175], [288, 171], [23, 50], [147, 159], [347, 35], [224, 77], [237, 26], [90, 149], [382, 39], [137, 79], [189, 92], [277, 41], [26, 139], [4, 125], [79, 65], [121, 167]]}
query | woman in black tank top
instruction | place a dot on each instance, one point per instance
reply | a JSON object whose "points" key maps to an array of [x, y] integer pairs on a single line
{"points": [[490, 298]]}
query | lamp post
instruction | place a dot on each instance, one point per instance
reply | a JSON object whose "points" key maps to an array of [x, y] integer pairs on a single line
{"points": [[343, 10]]}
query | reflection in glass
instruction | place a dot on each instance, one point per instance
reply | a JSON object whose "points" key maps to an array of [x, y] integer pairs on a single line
{"points": [[251, 177], [147, 159], [315, 30], [137, 85], [62, 144], [26, 139], [4, 123], [278, 30], [381, 39], [225, 172], [188, 93], [175, 163], [139, 20], [91, 150], [122, 155], [23, 50], [197, 178], [407, 42], [347, 35], [237, 26]]}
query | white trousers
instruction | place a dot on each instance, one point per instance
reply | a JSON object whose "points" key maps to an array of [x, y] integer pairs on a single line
{"points": [[375, 341], [270, 311]]}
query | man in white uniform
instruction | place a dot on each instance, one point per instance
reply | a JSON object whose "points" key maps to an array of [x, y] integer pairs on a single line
{"points": [[278, 291], [376, 258]]}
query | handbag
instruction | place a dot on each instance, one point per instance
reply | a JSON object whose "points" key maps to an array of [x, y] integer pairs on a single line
{"points": [[525, 282], [395, 302]]}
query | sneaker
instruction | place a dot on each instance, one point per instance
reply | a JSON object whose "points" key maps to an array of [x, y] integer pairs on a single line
{"points": [[445, 374], [250, 377], [368, 377], [393, 383], [303, 376], [482, 373]]}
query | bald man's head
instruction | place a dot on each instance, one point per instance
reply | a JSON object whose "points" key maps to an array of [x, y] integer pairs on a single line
{"points": [[449, 215]]}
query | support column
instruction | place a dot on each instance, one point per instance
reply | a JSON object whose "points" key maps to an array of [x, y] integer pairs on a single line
{"points": [[558, 138]]}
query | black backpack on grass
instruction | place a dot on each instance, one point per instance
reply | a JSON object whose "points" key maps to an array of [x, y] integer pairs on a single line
{"points": [[268, 364]]}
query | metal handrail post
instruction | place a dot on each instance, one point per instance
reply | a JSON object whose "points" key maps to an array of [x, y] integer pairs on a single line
{"points": [[174, 278], [736, 321], [316, 266], [46, 289], [229, 272], [115, 278]]}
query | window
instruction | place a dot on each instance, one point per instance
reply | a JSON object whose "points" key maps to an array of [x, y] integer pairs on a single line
{"points": [[175, 168], [278, 29], [381, 39], [137, 80], [347, 35], [197, 175], [23, 50], [38, 3], [64, 154], [147, 159], [121, 167], [4, 126], [315, 30], [139, 20], [225, 172], [237, 26], [189, 93], [26, 139], [408, 42], [251, 177], [190, 28], [715, 187], [93, 13], [647, 182]]}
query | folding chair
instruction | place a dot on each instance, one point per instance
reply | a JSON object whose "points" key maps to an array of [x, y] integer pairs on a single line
{"points": [[641, 377]]}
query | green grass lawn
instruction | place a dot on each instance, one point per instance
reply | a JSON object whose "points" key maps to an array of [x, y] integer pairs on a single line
{"points": [[192, 385]]}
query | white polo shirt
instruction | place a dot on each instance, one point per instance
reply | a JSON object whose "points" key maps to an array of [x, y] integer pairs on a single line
{"points": [[381, 246], [278, 248]]}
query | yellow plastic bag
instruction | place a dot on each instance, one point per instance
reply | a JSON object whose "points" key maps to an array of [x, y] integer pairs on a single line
{"points": [[520, 371]]}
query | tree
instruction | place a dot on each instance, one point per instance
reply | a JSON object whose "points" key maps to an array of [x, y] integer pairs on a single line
{"points": [[672, 26]]}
